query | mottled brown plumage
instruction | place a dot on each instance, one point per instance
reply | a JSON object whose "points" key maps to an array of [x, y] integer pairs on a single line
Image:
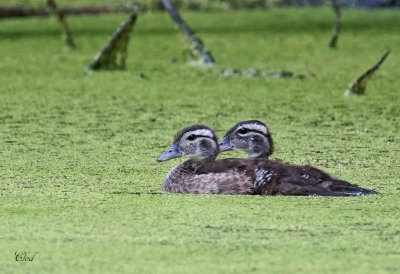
{"points": [[189, 177]]}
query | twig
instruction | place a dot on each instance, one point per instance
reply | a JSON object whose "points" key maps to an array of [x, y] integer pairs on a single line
{"points": [[359, 85]]}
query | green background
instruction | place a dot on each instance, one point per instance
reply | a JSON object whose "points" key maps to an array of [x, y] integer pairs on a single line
{"points": [[79, 182]]}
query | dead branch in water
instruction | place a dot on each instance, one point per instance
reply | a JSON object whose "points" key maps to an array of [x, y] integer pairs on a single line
{"points": [[359, 85], [114, 54], [336, 27], [198, 51], [52, 6]]}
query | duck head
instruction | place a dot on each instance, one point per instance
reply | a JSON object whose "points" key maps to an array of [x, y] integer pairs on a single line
{"points": [[197, 142], [250, 136]]}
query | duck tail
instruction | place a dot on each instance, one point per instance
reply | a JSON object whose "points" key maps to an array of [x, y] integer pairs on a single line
{"points": [[350, 189], [362, 191]]}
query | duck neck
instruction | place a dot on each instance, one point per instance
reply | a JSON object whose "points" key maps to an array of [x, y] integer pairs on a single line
{"points": [[258, 154], [203, 160]]}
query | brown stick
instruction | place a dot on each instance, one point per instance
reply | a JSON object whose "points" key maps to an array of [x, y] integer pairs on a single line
{"points": [[115, 48], [52, 6], [336, 27]]}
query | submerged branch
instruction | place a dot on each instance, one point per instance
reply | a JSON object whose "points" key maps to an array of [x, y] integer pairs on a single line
{"points": [[359, 85], [198, 51], [52, 6], [113, 55], [257, 73], [336, 27]]}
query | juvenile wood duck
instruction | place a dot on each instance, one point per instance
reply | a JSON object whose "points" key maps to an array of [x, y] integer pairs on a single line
{"points": [[254, 138], [202, 174], [200, 145]]}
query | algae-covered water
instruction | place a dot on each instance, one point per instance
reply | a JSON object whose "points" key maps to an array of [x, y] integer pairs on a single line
{"points": [[79, 183]]}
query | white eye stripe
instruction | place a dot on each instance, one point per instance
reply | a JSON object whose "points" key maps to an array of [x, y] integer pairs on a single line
{"points": [[198, 132], [257, 127]]}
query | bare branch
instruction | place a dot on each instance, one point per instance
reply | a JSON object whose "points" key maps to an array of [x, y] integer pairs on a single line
{"points": [[52, 6], [359, 85], [198, 51], [336, 28], [113, 55]]}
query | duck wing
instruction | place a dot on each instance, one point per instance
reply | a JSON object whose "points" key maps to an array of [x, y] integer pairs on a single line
{"points": [[269, 177], [340, 186], [257, 176], [277, 178], [316, 176]]}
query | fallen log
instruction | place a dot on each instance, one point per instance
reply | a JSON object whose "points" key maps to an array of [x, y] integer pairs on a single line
{"points": [[10, 12]]}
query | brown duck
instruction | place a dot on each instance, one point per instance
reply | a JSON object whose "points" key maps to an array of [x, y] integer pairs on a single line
{"points": [[254, 138], [200, 145]]}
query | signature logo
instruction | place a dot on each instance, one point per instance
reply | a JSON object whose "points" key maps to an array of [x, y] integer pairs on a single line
{"points": [[24, 256]]}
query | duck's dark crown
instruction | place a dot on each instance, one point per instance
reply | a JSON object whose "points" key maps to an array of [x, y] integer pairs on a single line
{"points": [[179, 135]]}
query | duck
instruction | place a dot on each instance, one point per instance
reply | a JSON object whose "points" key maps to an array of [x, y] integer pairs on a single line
{"points": [[200, 144], [203, 174], [254, 137]]}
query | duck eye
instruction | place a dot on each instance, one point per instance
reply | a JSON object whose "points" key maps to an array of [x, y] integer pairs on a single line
{"points": [[191, 137], [242, 130]]}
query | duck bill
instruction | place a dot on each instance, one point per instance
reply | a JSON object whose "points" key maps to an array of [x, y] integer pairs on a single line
{"points": [[171, 153], [225, 144]]}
